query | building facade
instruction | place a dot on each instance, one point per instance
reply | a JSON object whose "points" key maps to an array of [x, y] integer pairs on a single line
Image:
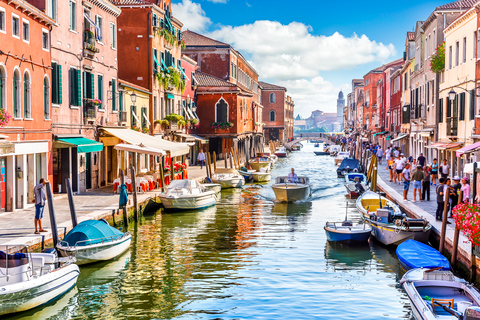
{"points": [[274, 99]]}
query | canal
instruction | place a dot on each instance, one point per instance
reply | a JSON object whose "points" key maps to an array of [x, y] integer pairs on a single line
{"points": [[246, 258]]}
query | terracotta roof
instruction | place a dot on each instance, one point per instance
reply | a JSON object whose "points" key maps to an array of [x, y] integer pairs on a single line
{"points": [[462, 4], [411, 36], [194, 39], [206, 80], [128, 2], [268, 86]]}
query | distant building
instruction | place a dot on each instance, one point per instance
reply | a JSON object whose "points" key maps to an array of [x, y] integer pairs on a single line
{"points": [[320, 119], [340, 107]]}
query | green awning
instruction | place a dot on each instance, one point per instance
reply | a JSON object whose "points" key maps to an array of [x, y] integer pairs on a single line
{"points": [[389, 137], [170, 96], [379, 133], [84, 145]]}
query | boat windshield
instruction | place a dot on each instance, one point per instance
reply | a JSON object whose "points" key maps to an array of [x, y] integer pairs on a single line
{"points": [[301, 180], [183, 184]]}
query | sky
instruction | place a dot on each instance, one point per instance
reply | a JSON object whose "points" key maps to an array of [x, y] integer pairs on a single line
{"points": [[313, 48]]}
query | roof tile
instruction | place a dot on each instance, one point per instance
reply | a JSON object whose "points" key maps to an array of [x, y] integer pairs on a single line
{"points": [[206, 80], [462, 4], [268, 86], [194, 39]]}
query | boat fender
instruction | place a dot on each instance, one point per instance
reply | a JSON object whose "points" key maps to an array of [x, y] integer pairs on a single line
{"points": [[104, 221]]}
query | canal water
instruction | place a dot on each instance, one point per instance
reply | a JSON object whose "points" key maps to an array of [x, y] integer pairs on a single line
{"points": [[246, 258]]}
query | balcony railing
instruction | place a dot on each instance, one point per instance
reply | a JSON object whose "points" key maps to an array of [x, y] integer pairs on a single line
{"points": [[89, 44], [90, 111], [452, 126], [122, 116]]}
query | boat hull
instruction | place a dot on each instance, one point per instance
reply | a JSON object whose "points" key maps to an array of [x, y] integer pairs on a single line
{"points": [[216, 187], [321, 153], [291, 192], [97, 252], [36, 292], [348, 237], [281, 154], [261, 177], [188, 203], [259, 165], [391, 235], [231, 183]]}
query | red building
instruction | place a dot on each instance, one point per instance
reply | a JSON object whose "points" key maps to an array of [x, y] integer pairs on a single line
{"points": [[370, 92], [394, 113], [25, 81], [274, 111]]}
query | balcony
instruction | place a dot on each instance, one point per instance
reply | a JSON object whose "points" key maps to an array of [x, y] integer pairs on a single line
{"points": [[452, 126], [122, 116], [418, 112], [90, 112], [89, 44]]}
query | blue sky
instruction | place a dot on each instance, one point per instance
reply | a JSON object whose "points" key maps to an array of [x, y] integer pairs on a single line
{"points": [[310, 48]]}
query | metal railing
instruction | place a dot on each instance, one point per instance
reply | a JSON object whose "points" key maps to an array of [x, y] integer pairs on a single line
{"points": [[90, 111], [452, 126], [90, 242]]}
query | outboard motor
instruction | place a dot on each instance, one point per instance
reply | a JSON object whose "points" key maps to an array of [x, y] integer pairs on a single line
{"points": [[347, 223], [472, 313]]}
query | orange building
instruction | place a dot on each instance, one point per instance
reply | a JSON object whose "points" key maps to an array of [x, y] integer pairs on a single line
{"points": [[274, 101], [25, 81]]}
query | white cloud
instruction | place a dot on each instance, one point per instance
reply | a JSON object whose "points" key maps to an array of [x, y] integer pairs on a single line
{"points": [[191, 15], [217, 1]]}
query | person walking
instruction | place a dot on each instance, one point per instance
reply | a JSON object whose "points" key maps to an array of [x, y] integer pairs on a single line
{"points": [[448, 194], [406, 181], [396, 152], [426, 184], [465, 190], [444, 169], [440, 191], [417, 178], [421, 160], [201, 158], [456, 191], [379, 154], [39, 200], [434, 172]]}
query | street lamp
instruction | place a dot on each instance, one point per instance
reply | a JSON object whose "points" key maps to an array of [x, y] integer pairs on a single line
{"points": [[133, 97], [451, 95]]}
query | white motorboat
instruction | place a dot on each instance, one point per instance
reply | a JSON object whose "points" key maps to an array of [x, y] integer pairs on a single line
{"points": [[286, 191], [260, 176], [28, 280], [438, 294], [281, 152], [340, 156], [94, 240], [187, 195], [228, 178], [213, 186], [334, 149], [260, 162]]}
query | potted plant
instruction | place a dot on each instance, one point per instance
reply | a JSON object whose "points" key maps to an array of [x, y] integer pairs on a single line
{"points": [[4, 117]]}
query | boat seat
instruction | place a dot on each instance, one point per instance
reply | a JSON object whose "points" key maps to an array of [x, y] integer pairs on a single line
{"points": [[12, 260], [38, 262], [438, 310]]}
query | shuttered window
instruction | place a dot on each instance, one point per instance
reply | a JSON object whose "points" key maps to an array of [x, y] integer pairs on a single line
{"points": [[222, 111], [449, 108], [440, 111], [100, 91], [154, 61], [56, 83], [462, 106], [133, 121], [472, 105], [75, 87], [144, 121], [114, 95], [113, 36]]}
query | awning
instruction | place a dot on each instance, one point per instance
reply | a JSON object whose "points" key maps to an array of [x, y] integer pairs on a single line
{"points": [[170, 96], [136, 118], [445, 146], [426, 132], [6, 147], [136, 138], [188, 116], [400, 137], [84, 145], [468, 168], [380, 133], [468, 149], [140, 149], [191, 137]]}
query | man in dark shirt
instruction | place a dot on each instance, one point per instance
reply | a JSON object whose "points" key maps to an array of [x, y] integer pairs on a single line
{"points": [[421, 160], [440, 199], [455, 192]]}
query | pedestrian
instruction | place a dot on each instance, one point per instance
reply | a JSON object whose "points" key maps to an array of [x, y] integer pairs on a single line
{"points": [[39, 200], [380, 154], [444, 169], [406, 181], [413, 166], [201, 158], [421, 160], [396, 152], [440, 191], [388, 156], [399, 166], [448, 194], [390, 168], [434, 172], [456, 191], [417, 178], [426, 184], [465, 190]]}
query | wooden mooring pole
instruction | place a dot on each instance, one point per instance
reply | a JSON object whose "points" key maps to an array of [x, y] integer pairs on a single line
{"points": [[214, 160], [71, 204], [51, 210], [134, 184], [444, 224], [455, 237]]}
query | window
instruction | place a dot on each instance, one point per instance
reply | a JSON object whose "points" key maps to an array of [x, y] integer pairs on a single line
{"points": [[457, 53], [478, 44], [464, 49], [3, 21], [46, 98], [144, 119], [100, 92], [405, 80], [272, 115], [450, 57], [73, 15], [114, 95], [16, 26], [120, 100], [99, 23], [52, 9], [133, 114], [113, 36], [221, 111], [75, 88], [472, 105], [155, 60], [440, 111], [27, 110], [433, 42], [3, 89], [45, 44], [56, 83], [272, 97], [16, 95], [462, 106], [26, 31]]}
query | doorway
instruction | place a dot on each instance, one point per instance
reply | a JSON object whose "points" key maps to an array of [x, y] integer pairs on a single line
{"points": [[88, 171]]}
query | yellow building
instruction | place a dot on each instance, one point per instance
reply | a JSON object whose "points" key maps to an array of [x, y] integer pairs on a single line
{"points": [[456, 104], [134, 105]]}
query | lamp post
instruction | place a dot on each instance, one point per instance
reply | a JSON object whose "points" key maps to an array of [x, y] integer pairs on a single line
{"points": [[133, 97]]}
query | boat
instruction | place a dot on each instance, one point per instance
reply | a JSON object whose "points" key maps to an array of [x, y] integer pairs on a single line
{"points": [[213, 186], [334, 149], [281, 152], [259, 176], [247, 174], [348, 165], [438, 294], [28, 279], [187, 195], [259, 163], [345, 231], [297, 147], [370, 201], [290, 191], [316, 145], [413, 254], [321, 153], [94, 240], [351, 184], [273, 158], [228, 178], [341, 156]]}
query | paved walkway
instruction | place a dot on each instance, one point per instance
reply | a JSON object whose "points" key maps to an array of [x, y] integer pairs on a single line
{"points": [[18, 227]]}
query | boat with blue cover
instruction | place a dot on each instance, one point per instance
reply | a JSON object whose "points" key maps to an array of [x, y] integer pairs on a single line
{"points": [[94, 240], [348, 165], [413, 254]]}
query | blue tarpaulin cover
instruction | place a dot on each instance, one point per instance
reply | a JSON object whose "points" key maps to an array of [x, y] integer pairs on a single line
{"points": [[351, 163], [414, 254], [91, 230]]}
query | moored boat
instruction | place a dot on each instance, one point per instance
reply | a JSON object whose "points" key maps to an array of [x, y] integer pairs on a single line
{"points": [[351, 184], [216, 187], [334, 149], [94, 240], [290, 191], [370, 201], [348, 165], [321, 153], [341, 156], [187, 195], [228, 178], [316, 145], [413, 254], [28, 280], [345, 231], [261, 176], [260, 162], [281, 152], [438, 294]]}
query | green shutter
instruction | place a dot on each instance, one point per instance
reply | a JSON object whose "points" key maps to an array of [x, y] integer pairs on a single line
{"points": [[78, 95], [54, 83], [440, 105], [59, 84], [15, 100], [1, 94], [84, 86], [100, 91], [120, 101], [92, 86], [472, 104], [45, 101], [114, 95], [71, 86]]}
